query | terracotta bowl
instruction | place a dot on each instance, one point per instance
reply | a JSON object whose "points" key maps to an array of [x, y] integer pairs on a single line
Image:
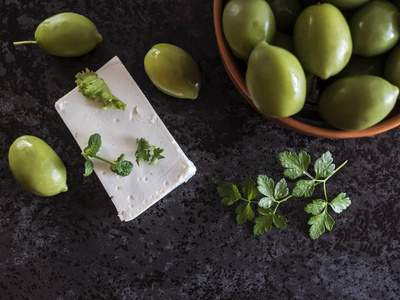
{"points": [[308, 120]]}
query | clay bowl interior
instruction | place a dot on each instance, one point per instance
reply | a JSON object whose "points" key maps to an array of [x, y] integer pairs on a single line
{"points": [[308, 120]]}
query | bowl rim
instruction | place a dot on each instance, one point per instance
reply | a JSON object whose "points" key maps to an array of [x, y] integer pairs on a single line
{"points": [[289, 123]]}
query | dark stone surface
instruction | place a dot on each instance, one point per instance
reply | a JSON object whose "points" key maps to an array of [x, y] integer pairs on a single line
{"points": [[188, 245]]}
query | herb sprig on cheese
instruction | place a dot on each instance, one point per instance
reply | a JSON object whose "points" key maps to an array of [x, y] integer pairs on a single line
{"points": [[120, 166], [94, 88], [147, 152]]}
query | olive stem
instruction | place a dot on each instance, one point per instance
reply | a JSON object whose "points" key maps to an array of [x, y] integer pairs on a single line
{"points": [[24, 42]]}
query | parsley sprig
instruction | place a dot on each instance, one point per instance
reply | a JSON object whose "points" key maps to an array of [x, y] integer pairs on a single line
{"points": [[120, 166], [295, 166], [147, 152]]}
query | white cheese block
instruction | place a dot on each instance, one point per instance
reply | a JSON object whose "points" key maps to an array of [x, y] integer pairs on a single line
{"points": [[119, 130]]}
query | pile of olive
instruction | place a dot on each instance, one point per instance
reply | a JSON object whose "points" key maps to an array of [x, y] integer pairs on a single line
{"points": [[348, 48]]}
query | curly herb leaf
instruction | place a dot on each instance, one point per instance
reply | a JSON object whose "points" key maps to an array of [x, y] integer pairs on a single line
{"points": [[120, 166], [95, 89], [147, 152]]}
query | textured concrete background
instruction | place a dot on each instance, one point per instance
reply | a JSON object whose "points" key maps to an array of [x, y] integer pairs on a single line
{"points": [[188, 245]]}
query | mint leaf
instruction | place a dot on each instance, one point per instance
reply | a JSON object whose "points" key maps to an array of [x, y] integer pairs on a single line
{"points": [[340, 203], [296, 165], [315, 207], [229, 194], [279, 221], [94, 145], [262, 224], [122, 167], [304, 188], [119, 166], [323, 166], [244, 212], [249, 189], [317, 226], [88, 167], [281, 189]]}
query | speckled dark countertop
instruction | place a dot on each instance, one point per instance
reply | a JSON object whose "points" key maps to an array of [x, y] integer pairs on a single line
{"points": [[188, 245]]}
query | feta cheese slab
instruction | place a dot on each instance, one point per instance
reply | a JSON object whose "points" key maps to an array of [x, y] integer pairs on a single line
{"points": [[119, 130]]}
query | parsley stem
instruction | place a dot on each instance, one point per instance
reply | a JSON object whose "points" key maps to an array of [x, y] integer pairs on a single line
{"points": [[337, 169], [308, 175], [326, 196], [280, 201]]}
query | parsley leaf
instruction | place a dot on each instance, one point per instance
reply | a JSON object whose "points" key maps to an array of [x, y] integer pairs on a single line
{"points": [[317, 225], [281, 189], [296, 165], [304, 188], [340, 203], [95, 89], [244, 212], [147, 152], [264, 222], [279, 221], [229, 194], [249, 189], [316, 207], [266, 187], [323, 166], [156, 156]]}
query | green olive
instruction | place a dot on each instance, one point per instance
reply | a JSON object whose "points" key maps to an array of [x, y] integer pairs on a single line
{"points": [[173, 71], [375, 28], [37, 167], [245, 23], [276, 81], [361, 65], [284, 41], [322, 40], [309, 2], [392, 67], [66, 34], [357, 102], [286, 13], [346, 4]]}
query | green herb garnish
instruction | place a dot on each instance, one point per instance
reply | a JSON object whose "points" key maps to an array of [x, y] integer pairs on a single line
{"points": [[147, 152], [94, 88], [296, 166], [120, 166]]}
